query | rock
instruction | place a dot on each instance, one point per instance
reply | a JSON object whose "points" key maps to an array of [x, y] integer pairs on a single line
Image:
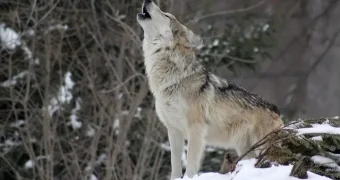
{"points": [[229, 162], [301, 167]]}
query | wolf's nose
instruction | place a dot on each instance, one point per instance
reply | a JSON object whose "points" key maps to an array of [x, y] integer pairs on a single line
{"points": [[147, 1]]}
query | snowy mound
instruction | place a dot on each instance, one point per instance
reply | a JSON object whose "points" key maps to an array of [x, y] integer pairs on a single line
{"points": [[245, 170]]}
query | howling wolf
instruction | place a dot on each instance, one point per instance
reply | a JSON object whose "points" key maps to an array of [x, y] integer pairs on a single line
{"points": [[193, 103]]}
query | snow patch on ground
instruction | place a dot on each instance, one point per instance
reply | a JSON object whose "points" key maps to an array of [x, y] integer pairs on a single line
{"points": [[245, 170]]}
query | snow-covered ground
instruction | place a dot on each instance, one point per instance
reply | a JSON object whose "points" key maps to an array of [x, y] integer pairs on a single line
{"points": [[245, 170]]}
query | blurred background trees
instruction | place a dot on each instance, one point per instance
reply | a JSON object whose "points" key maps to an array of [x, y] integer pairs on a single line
{"points": [[74, 100]]}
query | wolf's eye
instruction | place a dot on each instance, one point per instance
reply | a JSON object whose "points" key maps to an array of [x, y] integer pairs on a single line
{"points": [[166, 16]]}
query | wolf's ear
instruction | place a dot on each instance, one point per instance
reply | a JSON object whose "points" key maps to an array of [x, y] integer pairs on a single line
{"points": [[193, 39]]}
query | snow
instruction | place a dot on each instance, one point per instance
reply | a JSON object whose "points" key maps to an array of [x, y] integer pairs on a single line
{"points": [[10, 143], [90, 132], [245, 171], [138, 113], [93, 177], [325, 161], [13, 81], [9, 38], [100, 160], [319, 128], [216, 42], [122, 16], [265, 27], [27, 51], [36, 61], [53, 106], [64, 95], [29, 32], [29, 164], [57, 26], [294, 125], [116, 126], [17, 124], [74, 122], [317, 138], [120, 96], [74, 118]]}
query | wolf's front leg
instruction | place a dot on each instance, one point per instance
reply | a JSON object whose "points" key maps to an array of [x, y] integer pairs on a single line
{"points": [[196, 146], [176, 139]]}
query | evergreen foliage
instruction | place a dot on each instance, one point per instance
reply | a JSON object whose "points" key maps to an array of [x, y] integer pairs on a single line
{"points": [[317, 139], [241, 45]]}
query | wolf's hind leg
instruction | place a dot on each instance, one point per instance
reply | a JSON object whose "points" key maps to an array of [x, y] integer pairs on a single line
{"points": [[243, 146]]}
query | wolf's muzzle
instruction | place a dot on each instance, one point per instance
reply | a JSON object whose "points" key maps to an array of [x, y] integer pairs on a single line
{"points": [[145, 14]]}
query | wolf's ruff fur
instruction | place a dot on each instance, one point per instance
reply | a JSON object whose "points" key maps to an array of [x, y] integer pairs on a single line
{"points": [[192, 103]]}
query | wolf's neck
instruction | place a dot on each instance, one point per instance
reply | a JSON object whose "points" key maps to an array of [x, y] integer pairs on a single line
{"points": [[166, 69], [170, 61]]}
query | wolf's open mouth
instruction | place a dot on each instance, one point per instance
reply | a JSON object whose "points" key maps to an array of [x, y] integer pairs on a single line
{"points": [[145, 14]]}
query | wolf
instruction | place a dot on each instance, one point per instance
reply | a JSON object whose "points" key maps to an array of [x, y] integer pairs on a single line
{"points": [[193, 103]]}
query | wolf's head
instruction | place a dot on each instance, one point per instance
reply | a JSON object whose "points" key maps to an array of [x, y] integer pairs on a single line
{"points": [[164, 28]]}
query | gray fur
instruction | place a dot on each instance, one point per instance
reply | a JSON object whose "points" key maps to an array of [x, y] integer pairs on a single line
{"points": [[193, 103]]}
